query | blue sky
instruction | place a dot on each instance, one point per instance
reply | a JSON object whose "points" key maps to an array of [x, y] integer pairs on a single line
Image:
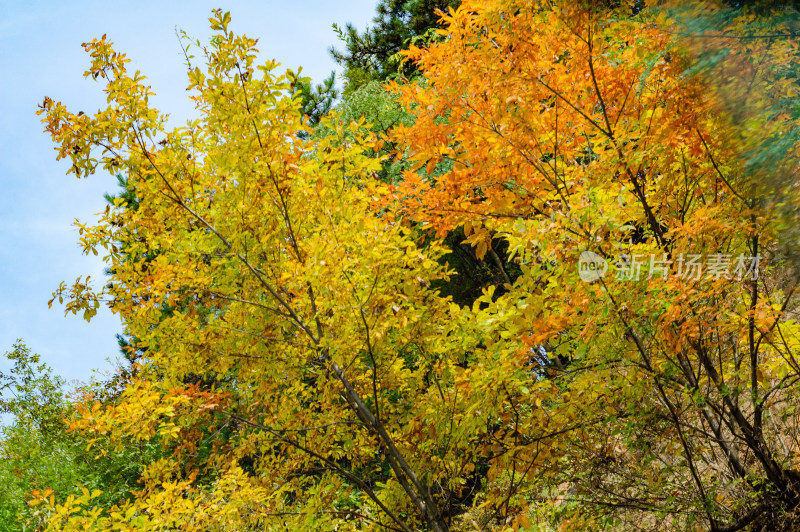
{"points": [[40, 55]]}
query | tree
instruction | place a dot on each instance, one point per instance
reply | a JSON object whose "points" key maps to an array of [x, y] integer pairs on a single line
{"points": [[373, 54], [39, 456], [30, 447], [279, 276], [591, 141], [318, 100]]}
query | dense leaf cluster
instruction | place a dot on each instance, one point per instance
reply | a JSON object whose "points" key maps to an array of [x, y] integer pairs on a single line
{"points": [[548, 281]]}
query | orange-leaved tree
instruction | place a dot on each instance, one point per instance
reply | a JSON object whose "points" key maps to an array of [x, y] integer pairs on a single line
{"points": [[655, 301]]}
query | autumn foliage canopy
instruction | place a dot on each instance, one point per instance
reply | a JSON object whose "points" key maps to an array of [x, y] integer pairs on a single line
{"points": [[636, 369]]}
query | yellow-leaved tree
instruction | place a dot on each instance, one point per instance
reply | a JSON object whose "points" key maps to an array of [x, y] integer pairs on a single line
{"points": [[295, 357]]}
